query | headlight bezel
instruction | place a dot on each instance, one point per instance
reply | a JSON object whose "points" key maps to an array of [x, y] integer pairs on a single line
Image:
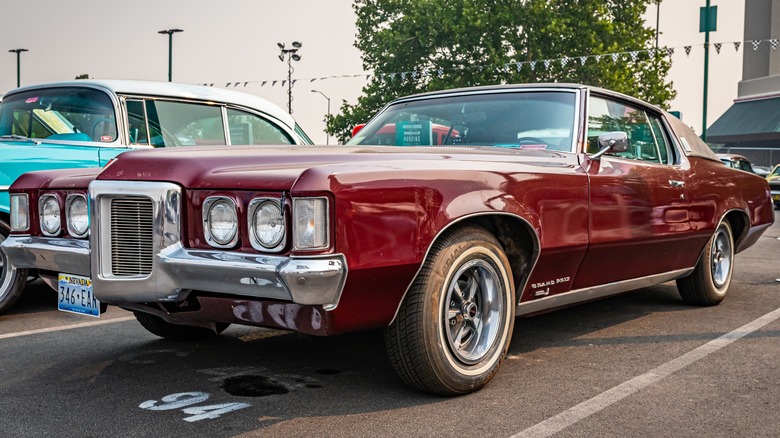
{"points": [[68, 205], [42, 201], [210, 203], [16, 200], [299, 203], [254, 206]]}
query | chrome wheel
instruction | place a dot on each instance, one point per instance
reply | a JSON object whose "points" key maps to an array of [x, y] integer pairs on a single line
{"points": [[720, 259], [474, 309], [12, 280]]}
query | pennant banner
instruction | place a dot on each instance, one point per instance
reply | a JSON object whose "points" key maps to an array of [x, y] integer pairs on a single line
{"points": [[506, 69]]}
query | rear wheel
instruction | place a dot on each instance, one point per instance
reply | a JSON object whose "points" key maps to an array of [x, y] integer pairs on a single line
{"points": [[710, 280], [12, 280], [454, 326], [176, 332]]}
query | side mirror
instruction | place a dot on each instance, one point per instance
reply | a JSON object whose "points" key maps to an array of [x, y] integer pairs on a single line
{"points": [[611, 142], [357, 129]]}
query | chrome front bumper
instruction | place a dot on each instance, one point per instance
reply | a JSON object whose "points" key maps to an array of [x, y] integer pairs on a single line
{"points": [[70, 256]]}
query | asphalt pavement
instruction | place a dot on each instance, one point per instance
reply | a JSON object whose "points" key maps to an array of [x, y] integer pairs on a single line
{"points": [[640, 364]]}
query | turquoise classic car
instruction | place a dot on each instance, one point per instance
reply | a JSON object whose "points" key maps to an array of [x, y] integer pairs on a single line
{"points": [[86, 123]]}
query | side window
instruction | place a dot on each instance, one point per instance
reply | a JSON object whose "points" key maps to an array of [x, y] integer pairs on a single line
{"points": [[136, 121], [246, 128], [645, 135], [745, 165], [661, 139], [184, 124]]}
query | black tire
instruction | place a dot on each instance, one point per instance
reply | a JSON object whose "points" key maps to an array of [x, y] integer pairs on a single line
{"points": [[12, 280], [176, 332], [709, 282], [439, 342]]}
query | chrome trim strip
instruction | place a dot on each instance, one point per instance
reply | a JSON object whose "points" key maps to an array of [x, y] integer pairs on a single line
{"points": [[57, 254], [596, 292], [4, 188]]}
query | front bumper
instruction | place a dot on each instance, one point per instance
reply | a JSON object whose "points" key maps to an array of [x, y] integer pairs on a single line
{"points": [[70, 256], [306, 281]]}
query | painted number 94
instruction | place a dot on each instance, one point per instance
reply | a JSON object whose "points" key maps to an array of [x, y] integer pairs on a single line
{"points": [[185, 402]]}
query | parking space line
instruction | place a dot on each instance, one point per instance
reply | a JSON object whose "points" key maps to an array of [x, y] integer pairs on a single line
{"points": [[66, 327], [611, 396]]}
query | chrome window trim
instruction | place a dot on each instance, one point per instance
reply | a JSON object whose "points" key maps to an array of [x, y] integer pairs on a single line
{"points": [[41, 200], [211, 200], [225, 125], [326, 245], [69, 200], [254, 204]]}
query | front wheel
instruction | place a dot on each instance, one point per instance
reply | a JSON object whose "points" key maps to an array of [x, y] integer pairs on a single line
{"points": [[454, 326], [12, 280], [710, 280], [160, 327]]}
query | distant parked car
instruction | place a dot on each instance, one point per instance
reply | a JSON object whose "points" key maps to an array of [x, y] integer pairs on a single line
{"points": [[86, 123], [737, 162], [774, 185], [491, 202]]}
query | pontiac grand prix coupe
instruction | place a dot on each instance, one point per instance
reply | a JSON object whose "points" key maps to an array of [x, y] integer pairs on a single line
{"points": [[86, 123], [536, 197]]}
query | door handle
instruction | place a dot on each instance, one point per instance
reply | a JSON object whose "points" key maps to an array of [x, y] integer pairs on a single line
{"points": [[675, 183]]}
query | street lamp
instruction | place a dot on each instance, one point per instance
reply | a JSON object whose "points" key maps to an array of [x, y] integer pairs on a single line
{"points": [[18, 68], [327, 136], [292, 55], [170, 33]]}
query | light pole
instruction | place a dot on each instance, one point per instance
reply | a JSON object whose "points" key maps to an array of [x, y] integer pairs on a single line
{"points": [[327, 136], [708, 18], [292, 55], [170, 33], [18, 68]]}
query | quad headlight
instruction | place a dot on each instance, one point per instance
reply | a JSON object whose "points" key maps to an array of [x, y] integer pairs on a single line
{"points": [[220, 222], [49, 209], [266, 224], [77, 215], [310, 223], [20, 212]]}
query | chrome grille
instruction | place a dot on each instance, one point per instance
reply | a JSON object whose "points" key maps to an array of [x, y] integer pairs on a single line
{"points": [[132, 236]]}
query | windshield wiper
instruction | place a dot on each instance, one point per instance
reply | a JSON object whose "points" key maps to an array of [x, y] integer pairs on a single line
{"points": [[16, 137]]}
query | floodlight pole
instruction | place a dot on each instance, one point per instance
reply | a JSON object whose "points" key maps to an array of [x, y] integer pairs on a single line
{"points": [[18, 65], [170, 33], [292, 55]]}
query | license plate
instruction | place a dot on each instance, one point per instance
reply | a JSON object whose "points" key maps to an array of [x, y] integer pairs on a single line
{"points": [[75, 295]]}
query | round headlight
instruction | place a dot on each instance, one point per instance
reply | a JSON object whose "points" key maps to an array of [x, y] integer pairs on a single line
{"points": [[223, 222], [50, 216], [268, 225], [78, 216]]}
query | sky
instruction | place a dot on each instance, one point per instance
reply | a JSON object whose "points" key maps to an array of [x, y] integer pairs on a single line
{"points": [[235, 41]]}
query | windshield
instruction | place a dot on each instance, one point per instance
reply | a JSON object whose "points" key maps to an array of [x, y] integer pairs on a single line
{"points": [[68, 114], [525, 120]]}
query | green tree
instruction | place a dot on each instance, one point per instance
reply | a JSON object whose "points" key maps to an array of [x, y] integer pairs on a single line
{"points": [[459, 43]]}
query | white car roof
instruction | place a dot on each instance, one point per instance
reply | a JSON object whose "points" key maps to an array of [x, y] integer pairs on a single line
{"points": [[175, 90]]}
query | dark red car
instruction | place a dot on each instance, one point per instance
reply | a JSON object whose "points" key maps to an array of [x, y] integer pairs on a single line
{"points": [[536, 197]]}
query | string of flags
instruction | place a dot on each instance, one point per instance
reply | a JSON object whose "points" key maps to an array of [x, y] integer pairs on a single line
{"points": [[519, 66]]}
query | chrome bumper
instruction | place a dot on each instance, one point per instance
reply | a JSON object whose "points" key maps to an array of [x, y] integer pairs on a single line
{"points": [[69, 256], [309, 281]]}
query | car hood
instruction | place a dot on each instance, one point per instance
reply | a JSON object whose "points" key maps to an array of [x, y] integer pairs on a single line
{"points": [[305, 167]]}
